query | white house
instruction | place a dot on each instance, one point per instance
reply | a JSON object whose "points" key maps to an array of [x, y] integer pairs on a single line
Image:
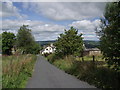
{"points": [[48, 49]]}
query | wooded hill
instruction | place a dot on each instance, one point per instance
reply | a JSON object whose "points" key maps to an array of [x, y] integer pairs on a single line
{"points": [[88, 43]]}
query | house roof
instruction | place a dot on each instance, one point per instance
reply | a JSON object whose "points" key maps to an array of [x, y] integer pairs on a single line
{"points": [[92, 49]]}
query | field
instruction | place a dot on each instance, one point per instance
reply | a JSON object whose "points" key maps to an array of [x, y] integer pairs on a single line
{"points": [[16, 70], [90, 58]]}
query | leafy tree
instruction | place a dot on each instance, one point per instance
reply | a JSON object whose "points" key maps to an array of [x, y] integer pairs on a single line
{"points": [[26, 42], [24, 37], [0, 43], [69, 43], [8, 40], [33, 49], [110, 34]]}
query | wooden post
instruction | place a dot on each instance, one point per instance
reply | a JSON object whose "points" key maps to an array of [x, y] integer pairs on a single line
{"points": [[82, 58], [93, 58]]}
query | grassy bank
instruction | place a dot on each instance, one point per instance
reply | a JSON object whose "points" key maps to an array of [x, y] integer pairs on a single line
{"points": [[16, 70], [95, 73]]}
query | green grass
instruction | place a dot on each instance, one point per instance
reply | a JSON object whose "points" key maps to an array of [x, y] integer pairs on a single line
{"points": [[96, 73], [16, 70], [0, 72], [63, 64], [90, 58]]}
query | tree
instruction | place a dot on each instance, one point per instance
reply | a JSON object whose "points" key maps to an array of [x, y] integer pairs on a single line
{"points": [[24, 37], [33, 49], [69, 43], [26, 42], [8, 40], [0, 43], [110, 34]]}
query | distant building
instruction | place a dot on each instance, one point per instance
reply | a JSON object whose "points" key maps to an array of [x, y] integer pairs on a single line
{"points": [[92, 51], [48, 49]]}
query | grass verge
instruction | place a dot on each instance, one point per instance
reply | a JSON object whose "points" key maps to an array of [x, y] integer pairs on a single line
{"points": [[94, 73], [16, 70]]}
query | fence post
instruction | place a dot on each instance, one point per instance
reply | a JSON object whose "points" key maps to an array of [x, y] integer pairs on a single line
{"points": [[82, 58], [82, 55], [93, 58]]}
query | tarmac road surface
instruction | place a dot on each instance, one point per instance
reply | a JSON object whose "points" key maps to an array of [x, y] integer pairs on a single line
{"points": [[46, 75]]}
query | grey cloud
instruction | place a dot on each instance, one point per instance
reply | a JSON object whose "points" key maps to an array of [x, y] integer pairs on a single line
{"points": [[87, 28], [86, 24], [40, 30], [46, 31], [8, 10], [68, 10]]}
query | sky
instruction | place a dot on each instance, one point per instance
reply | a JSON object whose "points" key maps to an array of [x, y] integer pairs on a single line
{"points": [[49, 19]]}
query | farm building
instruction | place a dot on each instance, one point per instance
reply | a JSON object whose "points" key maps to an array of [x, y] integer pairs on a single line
{"points": [[92, 51]]}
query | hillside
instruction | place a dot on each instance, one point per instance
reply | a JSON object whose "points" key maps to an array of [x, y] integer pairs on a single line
{"points": [[91, 44], [42, 43], [88, 43]]}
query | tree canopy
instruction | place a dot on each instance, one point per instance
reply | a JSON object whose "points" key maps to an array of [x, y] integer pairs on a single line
{"points": [[110, 34], [26, 41], [0, 43], [8, 40], [69, 43], [24, 37]]}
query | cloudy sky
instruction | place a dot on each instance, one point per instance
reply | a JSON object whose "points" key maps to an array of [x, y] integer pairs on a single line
{"points": [[48, 19]]}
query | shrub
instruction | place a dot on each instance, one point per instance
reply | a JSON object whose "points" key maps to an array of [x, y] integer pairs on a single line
{"points": [[51, 57], [8, 40], [101, 77]]}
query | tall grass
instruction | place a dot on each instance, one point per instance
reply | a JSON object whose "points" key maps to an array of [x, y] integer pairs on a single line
{"points": [[16, 70], [94, 73], [64, 64]]}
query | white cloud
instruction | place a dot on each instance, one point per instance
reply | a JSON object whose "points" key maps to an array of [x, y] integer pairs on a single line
{"points": [[8, 10], [86, 24], [67, 10], [47, 31], [87, 27], [41, 30]]}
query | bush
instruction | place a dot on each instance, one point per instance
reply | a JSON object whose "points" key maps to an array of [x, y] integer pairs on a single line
{"points": [[101, 77], [32, 49], [8, 40], [107, 78], [51, 57]]}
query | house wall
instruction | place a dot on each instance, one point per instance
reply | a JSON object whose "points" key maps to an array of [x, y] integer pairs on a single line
{"points": [[85, 53], [96, 53], [48, 50]]}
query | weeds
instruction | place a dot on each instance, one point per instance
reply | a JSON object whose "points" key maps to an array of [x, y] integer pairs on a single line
{"points": [[95, 73], [16, 70]]}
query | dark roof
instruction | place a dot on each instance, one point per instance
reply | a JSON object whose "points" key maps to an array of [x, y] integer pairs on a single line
{"points": [[92, 49]]}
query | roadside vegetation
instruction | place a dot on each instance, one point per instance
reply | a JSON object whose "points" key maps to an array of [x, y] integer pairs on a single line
{"points": [[18, 57], [95, 73], [16, 70], [102, 71]]}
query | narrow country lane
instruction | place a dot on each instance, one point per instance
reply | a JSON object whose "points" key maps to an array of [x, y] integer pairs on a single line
{"points": [[46, 75]]}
